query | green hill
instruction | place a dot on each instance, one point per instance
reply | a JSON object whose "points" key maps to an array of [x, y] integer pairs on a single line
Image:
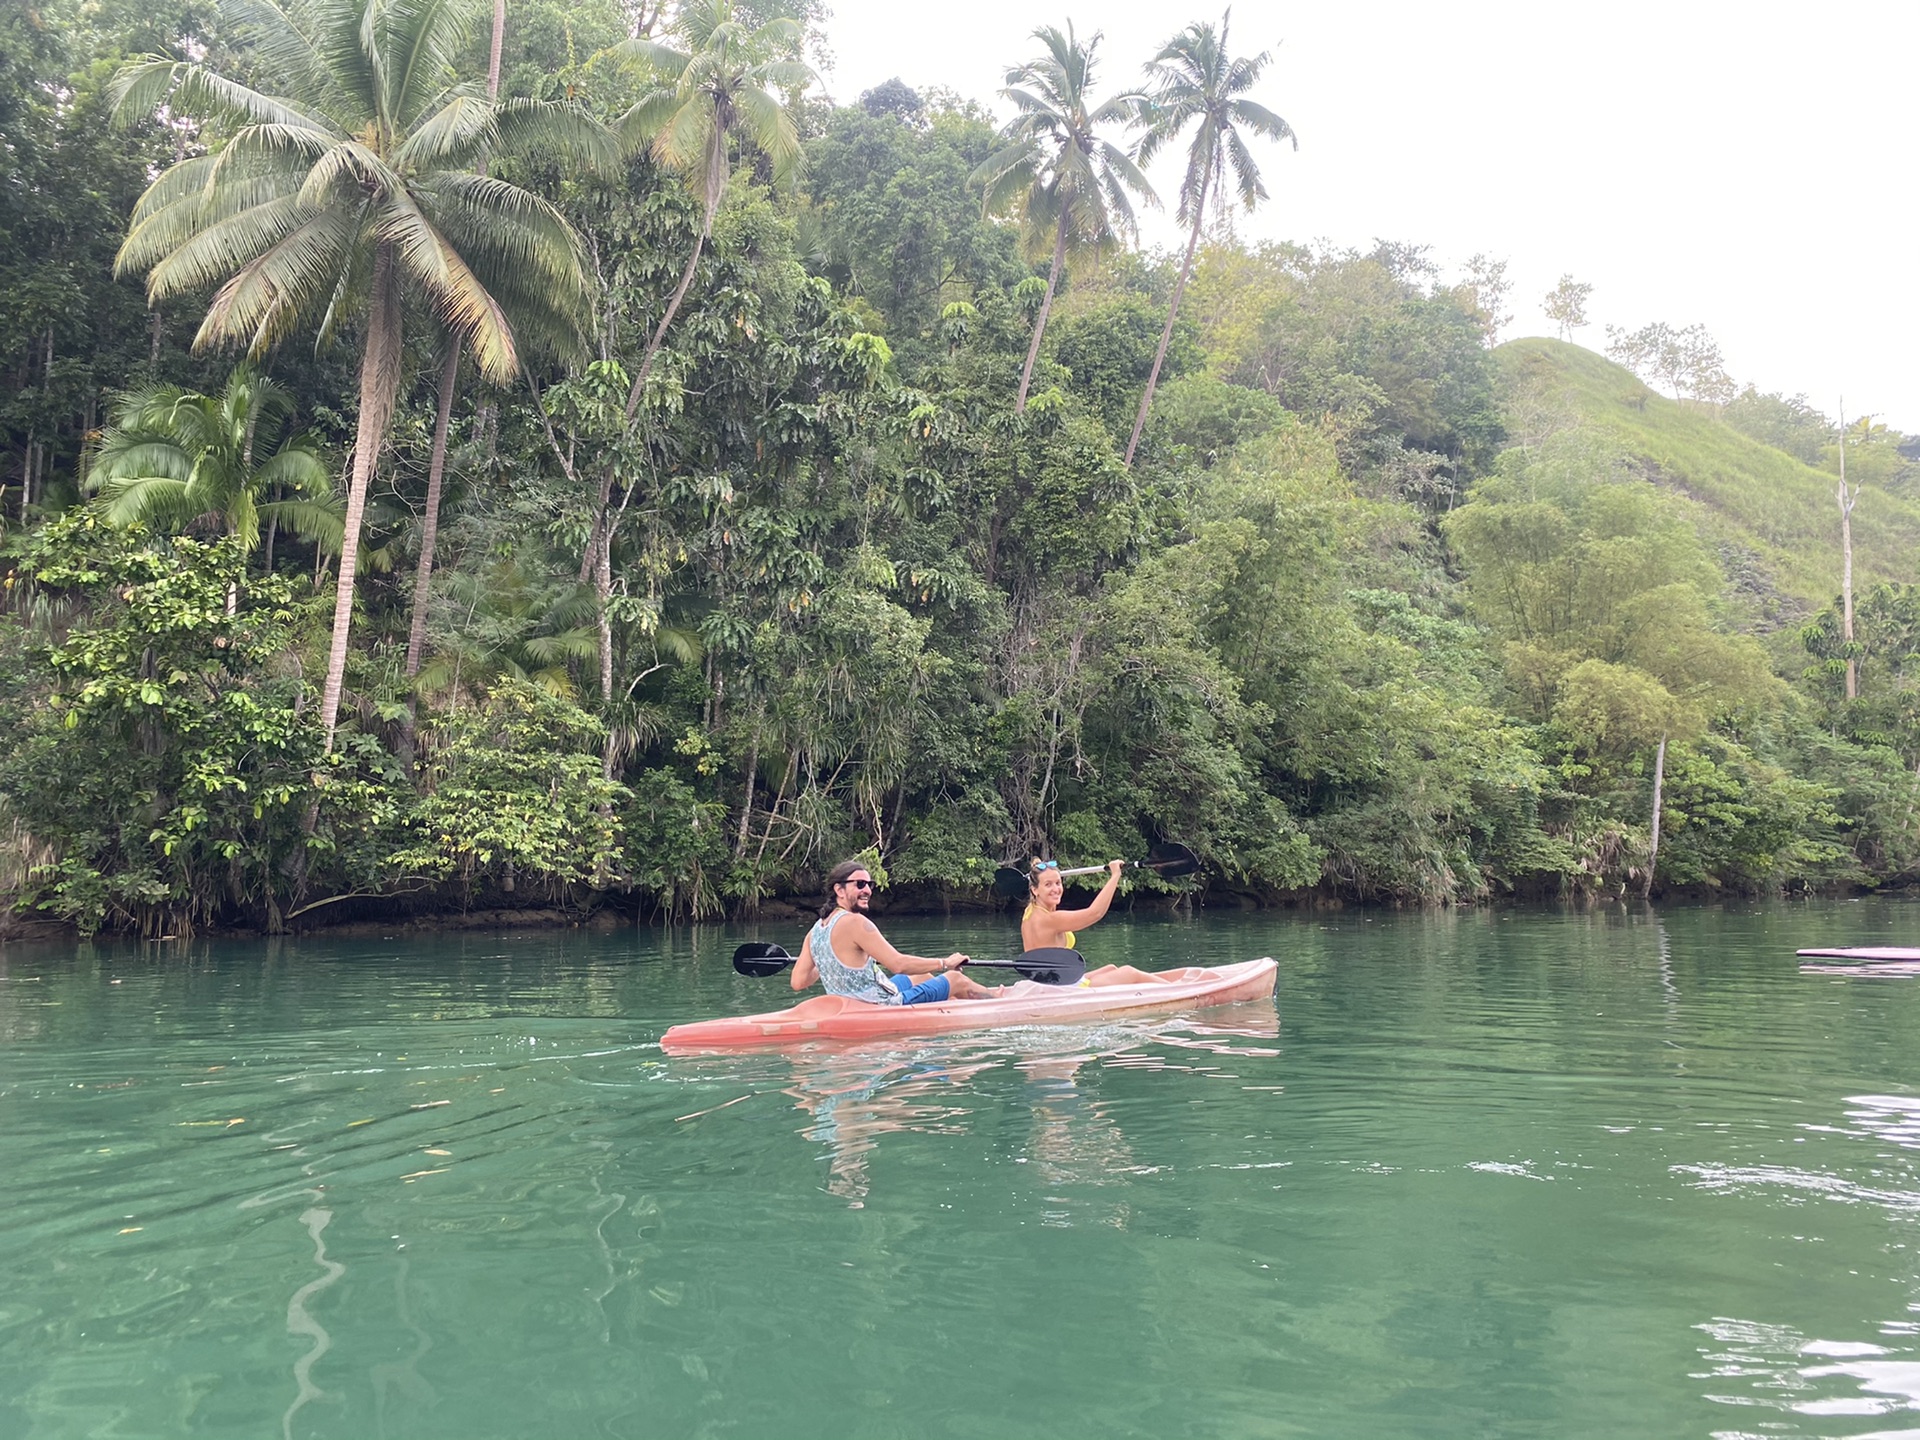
{"points": [[1773, 519]]}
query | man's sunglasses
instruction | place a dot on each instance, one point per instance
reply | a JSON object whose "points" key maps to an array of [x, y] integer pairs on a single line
{"points": [[859, 884]]}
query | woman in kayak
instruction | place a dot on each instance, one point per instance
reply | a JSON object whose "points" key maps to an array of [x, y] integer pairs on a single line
{"points": [[845, 950], [1045, 924]]}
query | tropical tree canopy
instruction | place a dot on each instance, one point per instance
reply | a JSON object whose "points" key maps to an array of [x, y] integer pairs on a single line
{"points": [[366, 142], [359, 185], [1379, 609]]}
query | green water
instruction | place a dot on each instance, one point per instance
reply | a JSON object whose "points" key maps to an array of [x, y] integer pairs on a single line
{"points": [[1512, 1174]]}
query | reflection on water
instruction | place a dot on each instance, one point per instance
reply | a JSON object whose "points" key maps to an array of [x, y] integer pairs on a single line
{"points": [[1776, 1368], [855, 1095], [300, 1320]]}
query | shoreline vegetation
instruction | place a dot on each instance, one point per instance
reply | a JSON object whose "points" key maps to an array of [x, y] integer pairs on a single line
{"points": [[547, 459]]}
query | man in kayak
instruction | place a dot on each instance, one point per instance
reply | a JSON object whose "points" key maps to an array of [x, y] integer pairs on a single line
{"points": [[845, 951]]}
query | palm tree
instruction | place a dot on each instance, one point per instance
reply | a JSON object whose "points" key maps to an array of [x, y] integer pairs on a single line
{"points": [[174, 458], [353, 188], [1197, 79], [1058, 174], [723, 85]]}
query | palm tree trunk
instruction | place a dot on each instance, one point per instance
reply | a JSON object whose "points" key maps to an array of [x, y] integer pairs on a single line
{"points": [[1040, 322], [430, 527], [493, 53], [1166, 335], [379, 380]]}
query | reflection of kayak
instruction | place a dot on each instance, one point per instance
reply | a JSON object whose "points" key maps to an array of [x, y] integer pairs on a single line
{"points": [[834, 1017]]}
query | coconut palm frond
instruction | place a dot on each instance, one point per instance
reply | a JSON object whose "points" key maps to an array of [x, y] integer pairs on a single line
{"points": [[149, 499], [321, 521]]}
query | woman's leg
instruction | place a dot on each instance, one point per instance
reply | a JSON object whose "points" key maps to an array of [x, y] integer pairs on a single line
{"points": [[1120, 975]]}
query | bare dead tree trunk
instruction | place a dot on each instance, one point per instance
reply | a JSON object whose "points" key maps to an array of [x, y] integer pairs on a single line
{"points": [[1659, 787], [598, 558], [1046, 306], [746, 802], [443, 418], [1846, 499], [602, 593], [430, 522], [379, 380], [1166, 335]]}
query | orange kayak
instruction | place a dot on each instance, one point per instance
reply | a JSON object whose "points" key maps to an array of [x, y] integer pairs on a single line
{"points": [[834, 1017]]}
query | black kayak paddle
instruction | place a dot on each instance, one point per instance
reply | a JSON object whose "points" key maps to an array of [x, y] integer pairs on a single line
{"points": [[1168, 861], [1055, 966]]}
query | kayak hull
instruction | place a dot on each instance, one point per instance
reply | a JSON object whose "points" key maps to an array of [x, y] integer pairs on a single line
{"points": [[1866, 952], [835, 1017]]}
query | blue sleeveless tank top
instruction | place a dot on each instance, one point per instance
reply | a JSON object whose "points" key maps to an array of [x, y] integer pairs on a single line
{"points": [[869, 983]]}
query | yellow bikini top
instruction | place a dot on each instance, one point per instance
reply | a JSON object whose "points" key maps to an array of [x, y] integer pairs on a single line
{"points": [[1066, 939]]}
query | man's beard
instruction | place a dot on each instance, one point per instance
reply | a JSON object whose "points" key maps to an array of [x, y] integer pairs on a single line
{"points": [[861, 900]]}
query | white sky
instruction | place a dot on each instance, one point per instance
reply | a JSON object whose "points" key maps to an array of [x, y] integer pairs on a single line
{"points": [[1746, 166]]}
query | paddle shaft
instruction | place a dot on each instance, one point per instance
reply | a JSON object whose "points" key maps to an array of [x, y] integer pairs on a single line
{"points": [[1166, 861], [1051, 966]]}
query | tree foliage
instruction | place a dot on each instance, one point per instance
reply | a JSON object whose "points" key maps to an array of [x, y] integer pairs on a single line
{"points": [[803, 523]]}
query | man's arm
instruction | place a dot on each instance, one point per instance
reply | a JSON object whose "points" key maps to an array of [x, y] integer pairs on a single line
{"points": [[803, 972], [873, 944]]}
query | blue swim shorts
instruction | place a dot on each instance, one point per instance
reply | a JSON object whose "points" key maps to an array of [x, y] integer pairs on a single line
{"points": [[925, 991]]}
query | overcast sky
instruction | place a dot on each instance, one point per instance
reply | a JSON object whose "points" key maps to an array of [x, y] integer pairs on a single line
{"points": [[1745, 166]]}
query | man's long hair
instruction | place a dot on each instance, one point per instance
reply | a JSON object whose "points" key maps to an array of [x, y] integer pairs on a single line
{"points": [[839, 875]]}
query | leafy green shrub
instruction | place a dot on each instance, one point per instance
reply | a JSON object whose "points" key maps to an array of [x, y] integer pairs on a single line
{"points": [[515, 791], [162, 753]]}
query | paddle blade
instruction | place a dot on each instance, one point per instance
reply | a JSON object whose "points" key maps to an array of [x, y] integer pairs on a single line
{"points": [[1170, 861], [758, 958], [1055, 965], [1009, 883]]}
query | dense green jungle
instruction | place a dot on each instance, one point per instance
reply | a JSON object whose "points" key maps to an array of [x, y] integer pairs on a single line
{"points": [[549, 457]]}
